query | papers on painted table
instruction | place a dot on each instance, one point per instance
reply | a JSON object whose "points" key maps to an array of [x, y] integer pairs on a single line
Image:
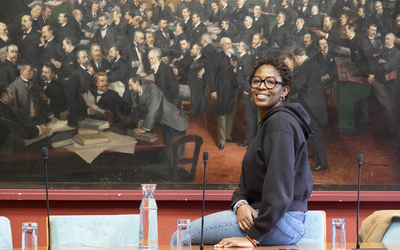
{"points": [[59, 126]]}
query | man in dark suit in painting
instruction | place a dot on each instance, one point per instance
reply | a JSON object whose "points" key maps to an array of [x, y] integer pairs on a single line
{"points": [[83, 5], [8, 70], [304, 10], [80, 82], [280, 37], [28, 42], [105, 36], [183, 63], [226, 10], [382, 20], [52, 92], [298, 33], [362, 22], [325, 7], [92, 15], [110, 100], [120, 68], [49, 48], [307, 84], [98, 63], [10, 123], [163, 37], [137, 56], [28, 105], [238, 15], [227, 31], [315, 20], [257, 51], [244, 67], [154, 107], [261, 23], [215, 16], [66, 28], [376, 43], [164, 77], [199, 29], [309, 46], [327, 64], [223, 84], [70, 62], [196, 84]]}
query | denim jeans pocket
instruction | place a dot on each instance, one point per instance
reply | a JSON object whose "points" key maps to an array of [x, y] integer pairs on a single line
{"points": [[297, 215], [292, 224]]}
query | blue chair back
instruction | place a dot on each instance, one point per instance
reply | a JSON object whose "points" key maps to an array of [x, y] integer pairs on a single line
{"points": [[392, 234], [95, 230], [316, 228], [5, 233]]}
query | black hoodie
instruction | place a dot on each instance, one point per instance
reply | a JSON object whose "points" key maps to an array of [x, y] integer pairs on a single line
{"points": [[276, 176]]}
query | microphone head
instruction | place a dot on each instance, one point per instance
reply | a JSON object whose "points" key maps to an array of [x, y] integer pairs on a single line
{"points": [[45, 153], [359, 158], [205, 156]]}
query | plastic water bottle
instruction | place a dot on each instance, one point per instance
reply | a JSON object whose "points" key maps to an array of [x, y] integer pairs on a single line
{"points": [[148, 233], [29, 236]]}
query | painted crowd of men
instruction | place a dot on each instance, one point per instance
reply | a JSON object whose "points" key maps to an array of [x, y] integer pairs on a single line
{"points": [[50, 78]]}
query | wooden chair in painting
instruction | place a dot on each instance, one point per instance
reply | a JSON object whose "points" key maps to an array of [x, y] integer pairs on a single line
{"points": [[175, 159]]}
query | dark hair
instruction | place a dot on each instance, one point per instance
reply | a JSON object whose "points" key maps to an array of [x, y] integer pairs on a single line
{"points": [[137, 79], [50, 66], [299, 52], [68, 40], [351, 27], [226, 21], [279, 65], [103, 15], [65, 15], [22, 65], [3, 89]]}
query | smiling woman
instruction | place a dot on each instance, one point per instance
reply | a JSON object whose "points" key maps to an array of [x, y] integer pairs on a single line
{"points": [[270, 207]]}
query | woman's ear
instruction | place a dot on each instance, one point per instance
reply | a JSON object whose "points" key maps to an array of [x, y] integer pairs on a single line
{"points": [[285, 90]]}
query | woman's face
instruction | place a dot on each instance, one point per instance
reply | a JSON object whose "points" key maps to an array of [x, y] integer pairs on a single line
{"points": [[267, 99]]}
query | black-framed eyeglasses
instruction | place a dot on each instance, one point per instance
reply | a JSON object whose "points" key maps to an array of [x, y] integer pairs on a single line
{"points": [[270, 82]]}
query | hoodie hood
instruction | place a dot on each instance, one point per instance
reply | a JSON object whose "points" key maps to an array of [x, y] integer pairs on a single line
{"points": [[298, 112]]}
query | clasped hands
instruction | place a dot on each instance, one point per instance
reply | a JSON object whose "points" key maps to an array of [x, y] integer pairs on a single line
{"points": [[245, 216]]}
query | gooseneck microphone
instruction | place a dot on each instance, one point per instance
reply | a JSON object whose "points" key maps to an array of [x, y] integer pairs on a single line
{"points": [[359, 160], [45, 154], [205, 159]]}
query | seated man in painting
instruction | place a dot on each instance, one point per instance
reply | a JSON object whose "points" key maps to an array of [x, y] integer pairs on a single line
{"points": [[9, 122], [28, 105], [109, 100]]}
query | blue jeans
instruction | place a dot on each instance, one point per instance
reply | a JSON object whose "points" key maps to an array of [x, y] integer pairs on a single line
{"points": [[218, 226]]}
